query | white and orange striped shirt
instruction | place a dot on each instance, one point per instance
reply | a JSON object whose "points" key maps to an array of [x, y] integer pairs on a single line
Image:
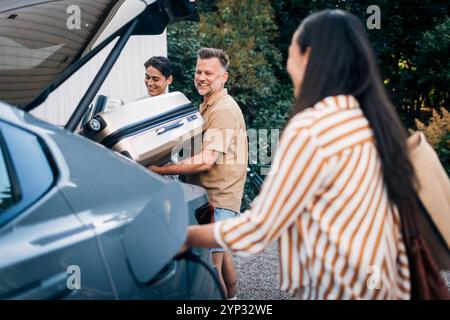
{"points": [[325, 202]]}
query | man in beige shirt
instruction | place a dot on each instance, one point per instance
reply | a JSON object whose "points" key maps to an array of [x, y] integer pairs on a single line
{"points": [[221, 166]]}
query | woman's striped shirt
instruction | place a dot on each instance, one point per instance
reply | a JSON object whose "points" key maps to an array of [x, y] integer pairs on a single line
{"points": [[326, 203]]}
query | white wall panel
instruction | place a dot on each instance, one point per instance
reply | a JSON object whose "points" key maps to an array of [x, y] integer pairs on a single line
{"points": [[125, 81]]}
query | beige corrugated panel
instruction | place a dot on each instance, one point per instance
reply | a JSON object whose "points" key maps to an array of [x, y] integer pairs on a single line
{"points": [[31, 56]]}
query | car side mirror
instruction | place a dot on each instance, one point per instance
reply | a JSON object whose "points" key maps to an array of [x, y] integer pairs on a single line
{"points": [[156, 234]]}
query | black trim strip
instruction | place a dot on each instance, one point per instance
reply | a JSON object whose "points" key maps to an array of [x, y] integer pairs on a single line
{"points": [[15, 184], [95, 85], [147, 124]]}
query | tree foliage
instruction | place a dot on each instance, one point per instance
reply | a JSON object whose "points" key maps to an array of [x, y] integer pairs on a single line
{"points": [[437, 133], [433, 64], [183, 44], [412, 48], [245, 30]]}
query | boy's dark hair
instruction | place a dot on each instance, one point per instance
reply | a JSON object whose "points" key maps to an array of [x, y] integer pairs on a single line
{"points": [[161, 63], [208, 53]]}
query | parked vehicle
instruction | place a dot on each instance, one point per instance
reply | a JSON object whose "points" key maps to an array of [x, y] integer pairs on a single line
{"points": [[78, 220]]}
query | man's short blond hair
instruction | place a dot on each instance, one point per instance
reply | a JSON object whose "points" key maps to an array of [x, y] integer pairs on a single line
{"points": [[208, 53]]}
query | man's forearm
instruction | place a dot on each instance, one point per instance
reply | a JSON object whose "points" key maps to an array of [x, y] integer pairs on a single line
{"points": [[180, 168]]}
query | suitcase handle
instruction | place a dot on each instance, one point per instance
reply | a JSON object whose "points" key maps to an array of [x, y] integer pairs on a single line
{"points": [[169, 127]]}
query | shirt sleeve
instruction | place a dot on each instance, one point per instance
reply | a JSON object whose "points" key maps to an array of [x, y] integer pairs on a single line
{"points": [[296, 174], [221, 128]]}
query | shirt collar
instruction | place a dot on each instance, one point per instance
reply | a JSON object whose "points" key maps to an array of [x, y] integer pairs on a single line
{"points": [[214, 98], [341, 101]]}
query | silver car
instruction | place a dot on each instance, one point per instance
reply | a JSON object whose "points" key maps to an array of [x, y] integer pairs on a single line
{"points": [[77, 220]]}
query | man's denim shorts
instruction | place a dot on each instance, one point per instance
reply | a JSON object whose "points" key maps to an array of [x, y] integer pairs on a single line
{"points": [[222, 214]]}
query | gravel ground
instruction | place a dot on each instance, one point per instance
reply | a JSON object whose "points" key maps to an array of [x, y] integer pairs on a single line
{"points": [[258, 276]]}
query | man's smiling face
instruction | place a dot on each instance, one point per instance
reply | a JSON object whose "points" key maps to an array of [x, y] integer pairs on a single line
{"points": [[156, 82], [210, 76]]}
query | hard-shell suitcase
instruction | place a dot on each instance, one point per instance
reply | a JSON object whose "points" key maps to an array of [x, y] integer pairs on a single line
{"points": [[148, 130]]}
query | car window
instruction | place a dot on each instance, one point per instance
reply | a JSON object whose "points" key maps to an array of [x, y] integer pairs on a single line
{"points": [[6, 191], [27, 170]]}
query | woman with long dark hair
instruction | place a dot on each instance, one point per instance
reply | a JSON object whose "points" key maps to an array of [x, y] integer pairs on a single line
{"points": [[340, 175]]}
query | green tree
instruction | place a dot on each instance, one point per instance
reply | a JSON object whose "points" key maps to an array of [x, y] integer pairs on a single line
{"points": [[245, 30], [183, 44], [412, 47], [412, 50], [432, 65]]}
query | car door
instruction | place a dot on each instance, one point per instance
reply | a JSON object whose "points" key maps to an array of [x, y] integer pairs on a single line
{"points": [[45, 251], [139, 218]]}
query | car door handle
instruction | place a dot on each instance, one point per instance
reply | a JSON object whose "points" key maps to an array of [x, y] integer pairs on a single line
{"points": [[169, 127], [166, 273]]}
